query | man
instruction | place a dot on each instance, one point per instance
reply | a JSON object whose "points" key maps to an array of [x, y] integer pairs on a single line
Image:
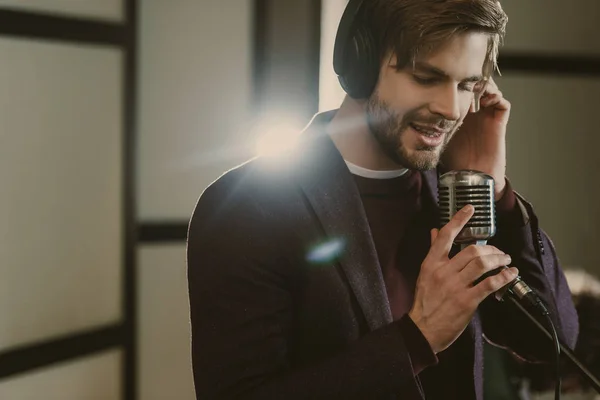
{"points": [[322, 275]]}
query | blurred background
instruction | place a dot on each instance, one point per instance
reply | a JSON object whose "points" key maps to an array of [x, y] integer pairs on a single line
{"points": [[116, 114]]}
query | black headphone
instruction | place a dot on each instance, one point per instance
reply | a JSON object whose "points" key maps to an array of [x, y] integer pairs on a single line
{"points": [[356, 56]]}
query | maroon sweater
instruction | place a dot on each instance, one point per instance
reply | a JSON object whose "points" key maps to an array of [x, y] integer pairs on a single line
{"points": [[400, 223]]}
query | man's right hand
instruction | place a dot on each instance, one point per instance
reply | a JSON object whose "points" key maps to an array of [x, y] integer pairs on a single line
{"points": [[445, 297]]}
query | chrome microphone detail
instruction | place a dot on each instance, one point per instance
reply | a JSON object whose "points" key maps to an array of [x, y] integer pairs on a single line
{"points": [[456, 189]]}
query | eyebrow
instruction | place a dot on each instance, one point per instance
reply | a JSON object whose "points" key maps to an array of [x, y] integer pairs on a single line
{"points": [[430, 69]]}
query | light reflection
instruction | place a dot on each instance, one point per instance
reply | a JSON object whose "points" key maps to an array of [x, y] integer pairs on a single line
{"points": [[326, 252], [277, 137]]}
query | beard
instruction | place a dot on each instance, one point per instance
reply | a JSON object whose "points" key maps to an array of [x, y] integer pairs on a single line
{"points": [[389, 129]]}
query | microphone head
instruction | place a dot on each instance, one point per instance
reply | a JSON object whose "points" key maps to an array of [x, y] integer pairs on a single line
{"points": [[456, 189]]}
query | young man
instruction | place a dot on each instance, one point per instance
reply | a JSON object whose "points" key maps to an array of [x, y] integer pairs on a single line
{"points": [[323, 275]]}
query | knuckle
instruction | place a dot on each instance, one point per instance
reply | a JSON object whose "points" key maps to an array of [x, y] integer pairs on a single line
{"points": [[498, 281], [482, 265], [472, 251], [426, 262], [481, 251], [490, 284], [508, 275], [444, 234], [492, 262], [425, 268], [438, 276], [465, 302], [450, 231]]}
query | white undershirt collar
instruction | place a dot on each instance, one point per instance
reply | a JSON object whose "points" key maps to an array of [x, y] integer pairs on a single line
{"points": [[374, 174]]}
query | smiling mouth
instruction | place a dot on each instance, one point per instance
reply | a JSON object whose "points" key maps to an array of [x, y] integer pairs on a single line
{"points": [[429, 132]]}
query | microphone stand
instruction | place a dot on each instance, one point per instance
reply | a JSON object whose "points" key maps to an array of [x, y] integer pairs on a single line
{"points": [[592, 380]]}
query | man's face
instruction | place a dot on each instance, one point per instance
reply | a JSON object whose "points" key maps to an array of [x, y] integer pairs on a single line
{"points": [[413, 113]]}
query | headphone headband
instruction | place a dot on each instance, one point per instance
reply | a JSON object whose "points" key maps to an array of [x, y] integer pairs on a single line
{"points": [[355, 56], [344, 35]]}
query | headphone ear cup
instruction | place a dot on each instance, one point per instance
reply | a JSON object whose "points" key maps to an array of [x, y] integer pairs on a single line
{"points": [[361, 65]]}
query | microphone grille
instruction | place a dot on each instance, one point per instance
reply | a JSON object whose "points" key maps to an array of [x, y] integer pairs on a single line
{"points": [[456, 189]]}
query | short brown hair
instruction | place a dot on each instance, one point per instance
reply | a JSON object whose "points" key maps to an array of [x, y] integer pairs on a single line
{"points": [[408, 28]]}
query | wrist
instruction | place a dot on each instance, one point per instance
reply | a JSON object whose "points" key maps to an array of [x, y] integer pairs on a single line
{"points": [[499, 188], [419, 350], [420, 325]]}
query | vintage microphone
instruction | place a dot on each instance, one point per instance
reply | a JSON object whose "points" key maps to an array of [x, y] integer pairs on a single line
{"points": [[456, 189]]}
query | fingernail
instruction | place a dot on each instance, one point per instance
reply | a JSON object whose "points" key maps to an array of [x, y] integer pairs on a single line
{"points": [[467, 209], [509, 259]]}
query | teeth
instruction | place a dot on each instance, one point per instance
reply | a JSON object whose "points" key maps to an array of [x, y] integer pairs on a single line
{"points": [[427, 133]]}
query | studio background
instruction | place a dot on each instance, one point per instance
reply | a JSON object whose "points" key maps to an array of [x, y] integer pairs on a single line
{"points": [[116, 114]]}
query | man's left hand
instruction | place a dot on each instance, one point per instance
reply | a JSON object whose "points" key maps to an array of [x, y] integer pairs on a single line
{"points": [[480, 143]]}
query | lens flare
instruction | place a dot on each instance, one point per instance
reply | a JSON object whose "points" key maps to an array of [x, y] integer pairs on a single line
{"points": [[326, 252], [277, 139]]}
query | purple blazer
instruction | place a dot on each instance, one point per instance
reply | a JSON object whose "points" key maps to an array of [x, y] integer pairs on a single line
{"points": [[286, 294]]}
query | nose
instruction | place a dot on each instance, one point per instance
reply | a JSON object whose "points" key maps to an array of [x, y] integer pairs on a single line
{"points": [[447, 103]]}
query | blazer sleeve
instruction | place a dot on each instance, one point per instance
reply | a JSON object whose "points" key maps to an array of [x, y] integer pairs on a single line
{"points": [[534, 254], [241, 304]]}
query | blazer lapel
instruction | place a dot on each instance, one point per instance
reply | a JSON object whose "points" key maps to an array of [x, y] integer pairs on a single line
{"points": [[430, 178], [334, 197]]}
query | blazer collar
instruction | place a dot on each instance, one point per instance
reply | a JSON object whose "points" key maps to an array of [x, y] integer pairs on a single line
{"points": [[332, 193]]}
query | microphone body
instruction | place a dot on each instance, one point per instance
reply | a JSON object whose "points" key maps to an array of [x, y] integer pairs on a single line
{"points": [[456, 189]]}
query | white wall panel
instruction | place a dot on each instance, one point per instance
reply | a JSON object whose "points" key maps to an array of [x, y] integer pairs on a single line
{"points": [[97, 9], [331, 93], [95, 377], [195, 89], [164, 330], [553, 26], [553, 159], [60, 176]]}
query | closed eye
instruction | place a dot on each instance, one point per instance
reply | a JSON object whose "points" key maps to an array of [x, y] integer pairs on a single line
{"points": [[468, 87], [425, 81]]}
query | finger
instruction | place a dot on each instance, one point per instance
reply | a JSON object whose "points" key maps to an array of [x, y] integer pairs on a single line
{"points": [[490, 97], [476, 103], [480, 267], [496, 101], [493, 283], [434, 233], [491, 84], [471, 253], [474, 107], [445, 237]]}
